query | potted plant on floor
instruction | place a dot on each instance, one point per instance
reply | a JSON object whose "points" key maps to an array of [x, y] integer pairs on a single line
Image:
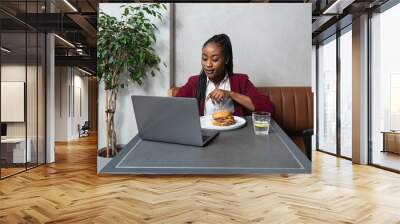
{"points": [[125, 47]]}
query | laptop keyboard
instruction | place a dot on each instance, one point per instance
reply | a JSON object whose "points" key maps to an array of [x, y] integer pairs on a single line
{"points": [[205, 137]]}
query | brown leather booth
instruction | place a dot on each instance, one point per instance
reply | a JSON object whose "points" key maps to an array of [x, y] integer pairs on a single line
{"points": [[293, 111]]}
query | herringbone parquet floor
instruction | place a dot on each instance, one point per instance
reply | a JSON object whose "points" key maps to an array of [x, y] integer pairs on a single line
{"points": [[70, 191]]}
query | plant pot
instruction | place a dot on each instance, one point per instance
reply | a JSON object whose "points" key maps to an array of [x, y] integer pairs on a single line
{"points": [[103, 151]]}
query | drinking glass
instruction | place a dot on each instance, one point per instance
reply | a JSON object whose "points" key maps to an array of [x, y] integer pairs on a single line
{"points": [[261, 122]]}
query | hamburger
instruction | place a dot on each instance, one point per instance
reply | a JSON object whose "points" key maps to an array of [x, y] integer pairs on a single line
{"points": [[222, 118]]}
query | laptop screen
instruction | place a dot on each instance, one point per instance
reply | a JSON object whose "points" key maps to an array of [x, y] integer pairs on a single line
{"points": [[168, 119]]}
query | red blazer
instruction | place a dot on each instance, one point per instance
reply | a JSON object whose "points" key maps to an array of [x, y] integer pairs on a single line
{"points": [[240, 83]]}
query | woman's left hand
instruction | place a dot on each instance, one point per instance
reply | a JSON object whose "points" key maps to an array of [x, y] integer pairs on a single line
{"points": [[218, 95]]}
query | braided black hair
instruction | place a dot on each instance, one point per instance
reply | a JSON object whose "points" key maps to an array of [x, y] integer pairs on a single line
{"points": [[225, 43]]}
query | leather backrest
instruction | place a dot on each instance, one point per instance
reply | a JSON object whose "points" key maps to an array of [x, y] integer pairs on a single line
{"points": [[293, 106]]}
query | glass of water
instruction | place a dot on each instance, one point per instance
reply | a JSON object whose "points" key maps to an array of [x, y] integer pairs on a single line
{"points": [[261, 122]]}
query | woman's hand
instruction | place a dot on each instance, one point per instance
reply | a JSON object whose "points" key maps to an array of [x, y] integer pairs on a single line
{"points": [[218, 95]]}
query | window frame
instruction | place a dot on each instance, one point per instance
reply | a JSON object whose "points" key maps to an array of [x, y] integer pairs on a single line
{"points": [[336, 36]]}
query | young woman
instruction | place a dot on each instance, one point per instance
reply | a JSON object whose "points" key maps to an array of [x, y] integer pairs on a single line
{"points": [[217, 87]]}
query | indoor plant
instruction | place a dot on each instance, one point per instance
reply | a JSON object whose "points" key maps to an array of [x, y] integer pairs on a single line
{"points": [[125, 47]]}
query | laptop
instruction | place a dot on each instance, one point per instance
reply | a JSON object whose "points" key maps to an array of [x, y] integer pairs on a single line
{"points": [[170, 119]]}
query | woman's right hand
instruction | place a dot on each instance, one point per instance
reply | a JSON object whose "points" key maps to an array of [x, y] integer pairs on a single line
{"points": [[218, 95]]}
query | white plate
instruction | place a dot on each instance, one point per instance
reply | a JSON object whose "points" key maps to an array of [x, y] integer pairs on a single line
{"points": [[205, 123]]}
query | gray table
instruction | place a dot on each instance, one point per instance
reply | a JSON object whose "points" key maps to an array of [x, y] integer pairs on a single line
{"points": [[232, 152]]}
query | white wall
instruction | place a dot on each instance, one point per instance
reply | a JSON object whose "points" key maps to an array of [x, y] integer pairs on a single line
{"points": [[82, 82], [155, 86], [61, 103], [271, 42], [13, 72], [68, 81], [80, 114]]}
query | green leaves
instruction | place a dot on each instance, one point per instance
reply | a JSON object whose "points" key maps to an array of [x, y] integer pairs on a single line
{"points": [[127, 44], [126, 12]]}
